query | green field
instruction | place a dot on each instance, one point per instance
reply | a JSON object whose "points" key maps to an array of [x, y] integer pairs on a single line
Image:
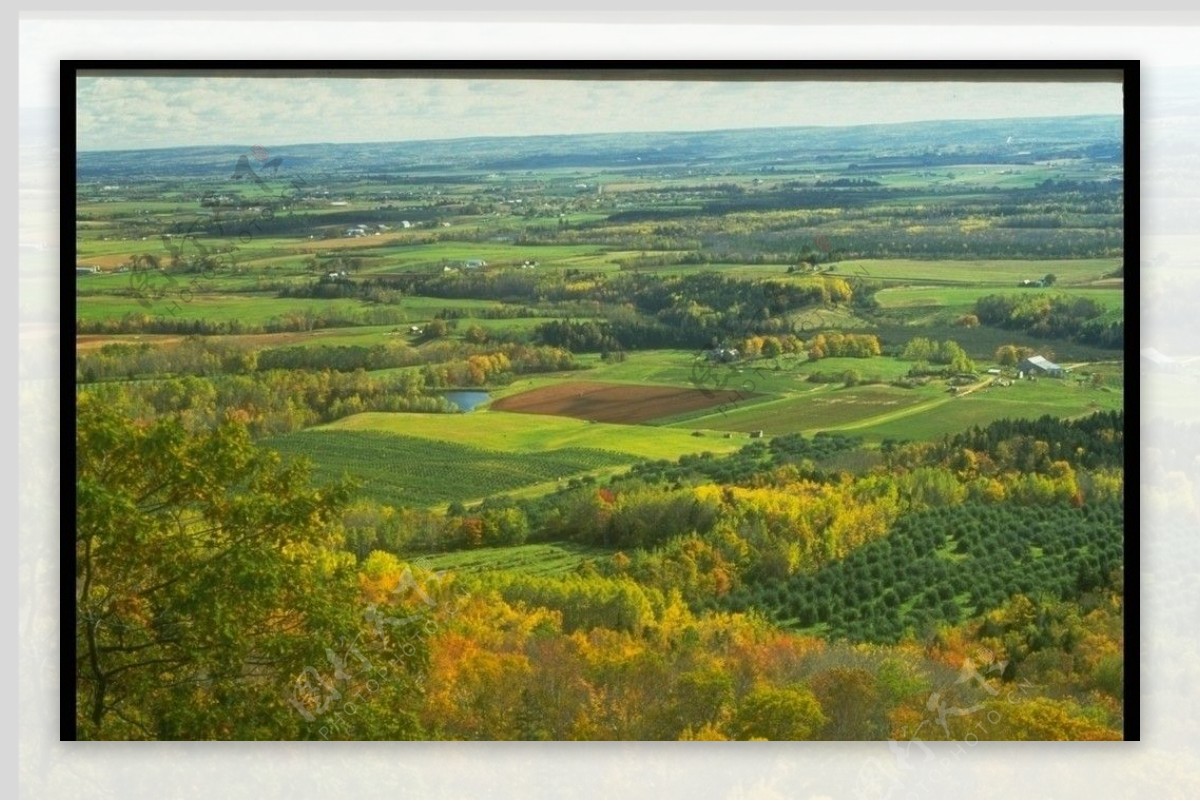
{"points": [[363, 335], [683, 368], [173, 300], [667, 367], [991, 272], [516, 325], [399, 258], [539, 559], [114, 251], [416, 471], [948, 414], [238, 280], [535, 433], [991, 175], [826, 407], [879, 412], [884, 367], [690, 369], [248, 308], [918, 298]]}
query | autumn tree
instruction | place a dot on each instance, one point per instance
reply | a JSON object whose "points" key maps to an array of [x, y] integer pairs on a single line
{"points": [[1009, 355], [436, 329], [919, 349], [778, 713], [208, 578], [852, 703], [952, 354]]}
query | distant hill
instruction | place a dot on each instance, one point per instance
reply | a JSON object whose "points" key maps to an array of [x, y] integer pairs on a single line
{"points": [[935, 143]]}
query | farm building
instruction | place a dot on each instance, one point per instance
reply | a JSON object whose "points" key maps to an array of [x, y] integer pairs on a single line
{"points": [[86, 270], [1155, 361], [722, 355], [1039, 365], [474, 264]]}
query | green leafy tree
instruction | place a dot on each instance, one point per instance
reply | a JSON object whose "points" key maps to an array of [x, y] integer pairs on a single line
{"points": [[699, 697], [771, 713], [952, 354], [208, 578], [436, 329], [919, 349], [507, 526]]}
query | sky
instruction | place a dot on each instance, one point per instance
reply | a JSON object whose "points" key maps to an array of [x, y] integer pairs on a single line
{"points": [[133, 112]]}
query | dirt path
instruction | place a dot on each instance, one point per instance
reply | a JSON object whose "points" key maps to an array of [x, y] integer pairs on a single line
{"points": [[887, 417], [977, 386], [738, 404], [925, 406]]}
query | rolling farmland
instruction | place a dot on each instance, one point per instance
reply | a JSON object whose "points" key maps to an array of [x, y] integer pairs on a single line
{"points": [[613, 403], [761, 434], [540, 559], [411, 471]]}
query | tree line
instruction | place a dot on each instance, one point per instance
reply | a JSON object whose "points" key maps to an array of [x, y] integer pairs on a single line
{"points": [[1059, 316], [318, 644]]}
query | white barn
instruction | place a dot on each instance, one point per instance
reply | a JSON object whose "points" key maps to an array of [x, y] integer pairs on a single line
{"points": [[1039, 365]]}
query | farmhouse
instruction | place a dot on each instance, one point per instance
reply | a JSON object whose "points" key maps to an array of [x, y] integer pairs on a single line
{"points": [[1039, 365], [722, 355], [1034, 282]]}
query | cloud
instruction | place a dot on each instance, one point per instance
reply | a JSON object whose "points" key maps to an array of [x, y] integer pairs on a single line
{"points": [[146, 112]]}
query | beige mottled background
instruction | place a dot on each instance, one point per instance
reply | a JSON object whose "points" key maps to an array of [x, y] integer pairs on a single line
{"points": [[1164, 764]]}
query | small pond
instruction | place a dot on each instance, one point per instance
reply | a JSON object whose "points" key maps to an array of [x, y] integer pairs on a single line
{"points": [[467, 399]]}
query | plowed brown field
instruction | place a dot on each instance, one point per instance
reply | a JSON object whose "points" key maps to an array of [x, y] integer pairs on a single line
{"points": [[614, 403]]}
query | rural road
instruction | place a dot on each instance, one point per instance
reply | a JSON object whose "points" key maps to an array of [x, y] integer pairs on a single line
{"points": [[888, 417]]}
